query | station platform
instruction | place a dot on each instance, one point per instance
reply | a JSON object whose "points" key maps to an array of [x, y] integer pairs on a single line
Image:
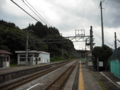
{"points": [[13, 69], [82, 78], [18, 68]]}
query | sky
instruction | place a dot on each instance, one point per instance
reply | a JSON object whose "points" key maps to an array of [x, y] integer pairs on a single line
{"points": [[68, 16]]}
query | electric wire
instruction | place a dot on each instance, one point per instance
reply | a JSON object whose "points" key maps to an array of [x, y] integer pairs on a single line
{"points": [[106, 3], [77, 11], [37, 13], [109, 11], [96, 20], [25, 11], [83, 11], [32, 10], [105, 40], [105, 18]]}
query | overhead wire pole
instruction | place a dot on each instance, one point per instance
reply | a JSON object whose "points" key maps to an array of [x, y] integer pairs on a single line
{"points": [[102, 23]]}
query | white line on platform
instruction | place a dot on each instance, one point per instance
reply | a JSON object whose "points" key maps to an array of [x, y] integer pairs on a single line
{"points": [[118, 83], [33, 86], [109, 79]]}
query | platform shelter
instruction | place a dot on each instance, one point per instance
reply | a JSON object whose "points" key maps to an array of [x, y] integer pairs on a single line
{"points": [[4, 58]]}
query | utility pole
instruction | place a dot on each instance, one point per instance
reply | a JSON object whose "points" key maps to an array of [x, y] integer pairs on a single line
{"points": [[62, 54], [26, 47], [91, 39], [85, 44], [102, 23], [115, 46]]}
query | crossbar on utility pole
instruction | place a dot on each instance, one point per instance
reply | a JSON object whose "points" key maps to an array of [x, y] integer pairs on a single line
{"points": [[102, 23]]}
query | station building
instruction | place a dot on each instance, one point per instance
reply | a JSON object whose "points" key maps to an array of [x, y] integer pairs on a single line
{"points": [[4, 58], [34, 57]]}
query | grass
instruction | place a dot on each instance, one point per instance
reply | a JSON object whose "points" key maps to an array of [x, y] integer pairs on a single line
{"points": [[55, 60], [101, 84], [13, 65], [94, 76], [104, 88]]}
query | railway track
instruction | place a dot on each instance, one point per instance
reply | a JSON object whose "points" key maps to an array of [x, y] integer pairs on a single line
{"points": [[21, 82], [59, 83]]}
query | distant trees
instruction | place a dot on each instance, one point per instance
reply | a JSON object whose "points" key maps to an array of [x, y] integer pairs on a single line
{"points": [[116, 54], [102, 53], [12, 38]]}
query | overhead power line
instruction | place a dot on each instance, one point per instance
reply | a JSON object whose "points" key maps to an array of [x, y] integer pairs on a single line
{"points": [[105, 40], [25, 11], [77, 11], [109, 11], [83, 12], [35, 11], [32, 10]]}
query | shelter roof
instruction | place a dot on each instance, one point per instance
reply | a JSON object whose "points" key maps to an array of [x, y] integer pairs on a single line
{"points": [[4, 52], [32, 51]]}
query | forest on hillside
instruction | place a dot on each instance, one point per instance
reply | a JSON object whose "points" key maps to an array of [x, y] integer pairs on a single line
{"points": [[12, 38]]}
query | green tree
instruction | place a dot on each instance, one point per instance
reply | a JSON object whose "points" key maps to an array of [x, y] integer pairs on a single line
{"points": [[13, 38], [103, 54]]}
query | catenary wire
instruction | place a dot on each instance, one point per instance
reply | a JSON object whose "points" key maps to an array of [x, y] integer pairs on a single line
{"points": [[83, 12], [77, 11], [25, 11], [40, 16], [105, 40], [109, 11], [32, 10]]}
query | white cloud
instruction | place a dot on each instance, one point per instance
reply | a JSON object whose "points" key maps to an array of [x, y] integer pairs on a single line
{"points": [[68, 15]]}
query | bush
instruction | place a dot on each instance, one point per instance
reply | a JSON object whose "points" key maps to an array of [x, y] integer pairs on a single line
{"points": [[55, 59]]}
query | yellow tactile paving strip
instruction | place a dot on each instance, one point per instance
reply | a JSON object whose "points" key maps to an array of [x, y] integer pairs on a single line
{"points": [[80, 82]]}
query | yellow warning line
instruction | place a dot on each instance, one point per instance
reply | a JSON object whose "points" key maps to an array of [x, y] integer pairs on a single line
{"points": [[81, 82]]}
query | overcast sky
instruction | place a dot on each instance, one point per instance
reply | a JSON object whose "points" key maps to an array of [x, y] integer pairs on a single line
{"points": [[67, 16]]}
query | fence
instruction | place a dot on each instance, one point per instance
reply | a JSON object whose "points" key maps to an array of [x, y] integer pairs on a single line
{"points": [[83, 59], [115, 68]]}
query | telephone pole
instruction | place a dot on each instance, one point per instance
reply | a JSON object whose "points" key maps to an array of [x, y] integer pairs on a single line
{"points": [[115, 46], [102, 23], [26, 47], [91, 39]]}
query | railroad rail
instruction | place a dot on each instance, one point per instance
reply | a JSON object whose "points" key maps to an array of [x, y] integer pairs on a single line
{"points": [[59, 83], [16, 84]]}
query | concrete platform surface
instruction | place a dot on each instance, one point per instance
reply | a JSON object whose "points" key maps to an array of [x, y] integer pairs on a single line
{"points": [[89, 82]]}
